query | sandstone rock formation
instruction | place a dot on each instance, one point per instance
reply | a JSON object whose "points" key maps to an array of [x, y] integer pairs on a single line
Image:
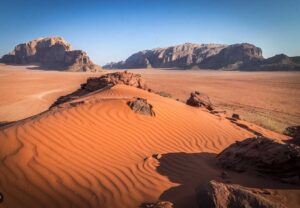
{"points": [[199, 100], [103, 82], [141, 106], [220, 195], [53, 52], [264, 155], [233, 57], [111, 79], [181, 56], [243, 56]]}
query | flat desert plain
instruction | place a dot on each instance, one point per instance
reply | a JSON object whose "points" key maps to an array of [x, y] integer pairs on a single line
{"points": [[95, 151], [269, 99]]}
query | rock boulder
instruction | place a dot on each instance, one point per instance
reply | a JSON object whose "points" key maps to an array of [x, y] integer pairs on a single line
{"points": [[200, 100], [277, 160], [141, 106], [220, 195]]}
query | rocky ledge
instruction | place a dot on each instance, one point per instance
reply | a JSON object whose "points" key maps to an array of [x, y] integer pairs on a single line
{"points": [[103, 82], [220, 195], [53, 53], [266, 156]]}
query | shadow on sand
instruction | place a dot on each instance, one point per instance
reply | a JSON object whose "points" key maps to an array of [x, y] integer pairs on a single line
{"points": [[190, 170]]}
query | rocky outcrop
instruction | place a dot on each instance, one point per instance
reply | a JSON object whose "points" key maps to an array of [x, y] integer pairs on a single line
{"points": [[54, 53], [180, 56], [242, 56], [141, 106], [200, 100], [220, 195], [264, 155], [111, 79], [104, 82]]}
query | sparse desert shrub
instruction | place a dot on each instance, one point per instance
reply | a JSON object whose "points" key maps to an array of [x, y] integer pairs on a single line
{"points": [[164, 94]]}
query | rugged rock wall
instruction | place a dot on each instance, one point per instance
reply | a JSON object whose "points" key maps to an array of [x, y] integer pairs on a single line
{"points": [[233, 57], [243, 56], [52, 52], [180, 56]]}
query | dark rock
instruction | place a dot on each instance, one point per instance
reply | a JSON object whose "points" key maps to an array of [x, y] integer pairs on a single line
{"points": [[264, 155], [141, 106], [54, 53], [224, 175], [220, 195], [161, 204], [1, 198], [235, 116], [200, 100], [292, 131]]}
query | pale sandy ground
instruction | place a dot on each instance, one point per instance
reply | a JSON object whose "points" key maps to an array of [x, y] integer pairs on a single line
{"points": [[25, 92], [269, 99], [98, 154]]}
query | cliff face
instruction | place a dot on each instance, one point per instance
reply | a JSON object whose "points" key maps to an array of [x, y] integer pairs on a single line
{"points": [[243, 56], [180, 56], [234, 57], [52, 52]]}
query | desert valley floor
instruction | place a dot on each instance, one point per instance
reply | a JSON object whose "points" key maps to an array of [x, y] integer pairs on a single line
{"points": [[269, 99], [99, 153]]}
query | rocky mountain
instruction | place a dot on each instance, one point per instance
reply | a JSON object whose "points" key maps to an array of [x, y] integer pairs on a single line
{"points": [[277, 62], [233, 57], [53, 52], [243, 56], [181, 56]]}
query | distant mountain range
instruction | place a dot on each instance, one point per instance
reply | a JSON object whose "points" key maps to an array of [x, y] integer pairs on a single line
{"points": [[243, 56]]}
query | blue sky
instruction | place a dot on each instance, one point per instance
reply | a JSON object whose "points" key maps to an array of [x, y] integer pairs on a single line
{"points": [[113, 30]]}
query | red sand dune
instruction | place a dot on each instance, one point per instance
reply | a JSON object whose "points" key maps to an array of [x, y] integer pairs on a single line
{"points": [[98, 154]]}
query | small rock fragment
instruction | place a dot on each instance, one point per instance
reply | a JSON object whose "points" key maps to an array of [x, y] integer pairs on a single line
{"points": [[235, 116], [157, 156]]}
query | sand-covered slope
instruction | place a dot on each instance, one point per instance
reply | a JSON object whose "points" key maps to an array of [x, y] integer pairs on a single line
{"points": [[97, 153]]}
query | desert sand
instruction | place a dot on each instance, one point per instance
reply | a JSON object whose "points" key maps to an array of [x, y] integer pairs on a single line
{"points": [[99, 153], [269, 99], [26, 92]]}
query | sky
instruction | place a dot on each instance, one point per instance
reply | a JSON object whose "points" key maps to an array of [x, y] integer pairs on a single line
{"points": [[113, 30]]}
